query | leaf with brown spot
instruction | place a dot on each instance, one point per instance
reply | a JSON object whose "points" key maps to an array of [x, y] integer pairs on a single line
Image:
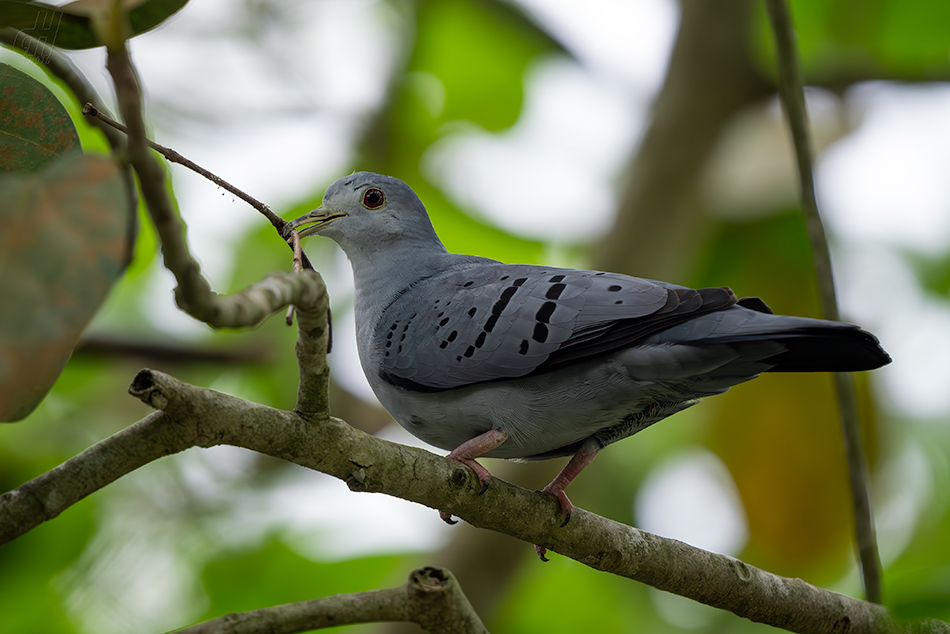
{"points": [[63, 233], [34, 126]]}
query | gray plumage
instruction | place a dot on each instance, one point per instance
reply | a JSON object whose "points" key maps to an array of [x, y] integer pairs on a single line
{"points": [[560, 361]]}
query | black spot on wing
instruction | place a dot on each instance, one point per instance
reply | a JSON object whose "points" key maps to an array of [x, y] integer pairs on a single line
{"points": [[550, 288], [545, 312], [540, 333], [506, 296]]}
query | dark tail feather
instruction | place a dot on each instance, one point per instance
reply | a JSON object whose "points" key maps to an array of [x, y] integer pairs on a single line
{"points": [[827, 350]]}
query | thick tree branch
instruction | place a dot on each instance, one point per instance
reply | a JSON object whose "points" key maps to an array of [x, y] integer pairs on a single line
{"points": [[313, 345], [194, 416], [793, 100], [431, 598], [45, 497]]}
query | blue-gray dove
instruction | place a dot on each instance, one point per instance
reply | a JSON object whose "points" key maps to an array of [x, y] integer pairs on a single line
{"points": [[532, 362]]}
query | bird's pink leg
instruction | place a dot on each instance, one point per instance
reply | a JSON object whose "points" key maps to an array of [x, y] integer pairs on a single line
{"points": [[584, 456], [471, 449]]}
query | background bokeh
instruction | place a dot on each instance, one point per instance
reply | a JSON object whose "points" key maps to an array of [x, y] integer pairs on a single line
{"points": [[639, 136]]}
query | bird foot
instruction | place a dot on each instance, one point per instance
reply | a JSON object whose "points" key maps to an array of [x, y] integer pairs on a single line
{"points": [[478, 446], [563, 501], [484, 477], [566, 508], [466, 454], [542, 551], [447, 518], [584, 456]]}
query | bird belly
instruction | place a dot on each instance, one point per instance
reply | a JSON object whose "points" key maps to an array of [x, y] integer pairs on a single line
{"points": [[545, 416]]}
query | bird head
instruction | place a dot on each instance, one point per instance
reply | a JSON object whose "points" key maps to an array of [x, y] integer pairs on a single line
{"points": [[367, 211]]}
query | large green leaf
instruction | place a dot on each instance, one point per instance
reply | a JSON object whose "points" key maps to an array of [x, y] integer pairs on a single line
{"points": [[70, 26], [63, 243], [34, 126]]}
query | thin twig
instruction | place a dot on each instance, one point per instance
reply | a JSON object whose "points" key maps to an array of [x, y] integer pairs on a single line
{"points": [[91, 111], [297, 267], [793, 98], [298, 252], [97, 114]]}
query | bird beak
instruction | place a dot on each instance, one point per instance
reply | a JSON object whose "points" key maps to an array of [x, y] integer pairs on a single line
{"points": [[318, 219]]}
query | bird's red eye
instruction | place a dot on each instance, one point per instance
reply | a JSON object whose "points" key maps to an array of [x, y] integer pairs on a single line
{"points": [[373, 199]]}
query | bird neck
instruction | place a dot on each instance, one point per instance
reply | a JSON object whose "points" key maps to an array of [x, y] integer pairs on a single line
{"points": [[382, 275]]}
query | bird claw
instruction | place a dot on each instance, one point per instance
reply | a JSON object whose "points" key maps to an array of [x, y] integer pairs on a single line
{"points": [[567, 507], [483, 478], [478, 446], [541, 550], [447, 518], [466, 454]]}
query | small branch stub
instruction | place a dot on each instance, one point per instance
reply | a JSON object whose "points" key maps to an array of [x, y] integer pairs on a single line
{"points": [[143, 388]]}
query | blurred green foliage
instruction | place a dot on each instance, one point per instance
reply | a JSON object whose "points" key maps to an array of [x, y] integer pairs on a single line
{"points": [[880, 38], [466, 65]]}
